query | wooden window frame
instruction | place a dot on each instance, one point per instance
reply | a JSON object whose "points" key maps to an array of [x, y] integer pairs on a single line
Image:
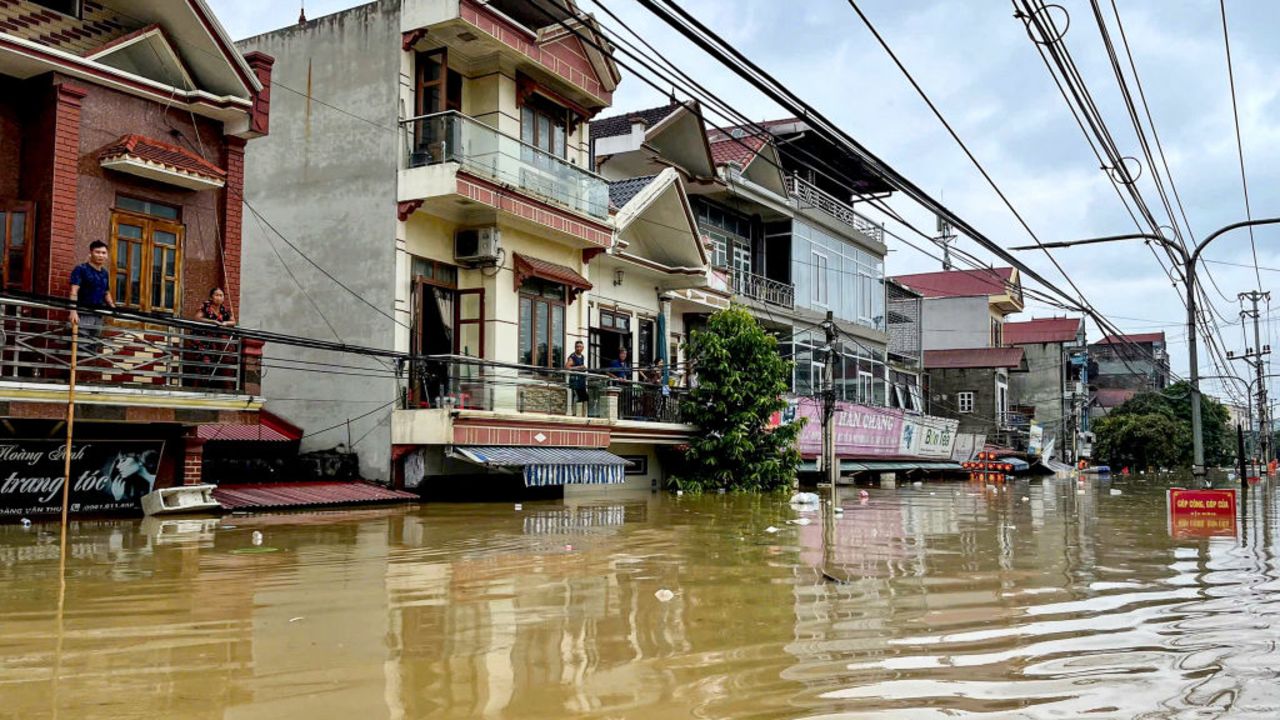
{"points": [[28, 209], [537, 299], [556, 115], [149, 225]]}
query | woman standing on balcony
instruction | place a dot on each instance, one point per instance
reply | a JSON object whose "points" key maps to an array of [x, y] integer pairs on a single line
{"points": [[215, 349]]}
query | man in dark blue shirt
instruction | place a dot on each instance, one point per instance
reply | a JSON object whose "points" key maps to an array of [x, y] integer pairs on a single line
{"points": [[91, 290], [619, 367]]}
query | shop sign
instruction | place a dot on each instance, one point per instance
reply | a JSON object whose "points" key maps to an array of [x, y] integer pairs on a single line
{"points": [[1202, 513], [106, 475], [926, 436], [861, 431]]}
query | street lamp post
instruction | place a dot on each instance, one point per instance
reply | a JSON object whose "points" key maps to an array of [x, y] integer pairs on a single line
{"points": [[1189, 260]]}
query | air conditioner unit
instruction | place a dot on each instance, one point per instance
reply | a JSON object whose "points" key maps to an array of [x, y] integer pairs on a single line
{"points": [[477, 246]]}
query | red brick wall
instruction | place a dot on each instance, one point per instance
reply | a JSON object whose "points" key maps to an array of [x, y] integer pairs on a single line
{"points": [[232, 210], [10, 140], [63, 200]]}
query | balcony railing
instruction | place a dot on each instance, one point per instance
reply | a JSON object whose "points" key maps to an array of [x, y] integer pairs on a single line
{"points": [[36, 347], [465, 383], [482, 150], [767, 290], [810, 195]]}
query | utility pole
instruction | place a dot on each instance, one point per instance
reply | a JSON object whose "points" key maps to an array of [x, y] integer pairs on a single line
{"points": [[830, 463], [1255, 356]]}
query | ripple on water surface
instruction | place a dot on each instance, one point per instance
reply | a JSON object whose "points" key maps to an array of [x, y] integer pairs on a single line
{"points": [[933, 601]]}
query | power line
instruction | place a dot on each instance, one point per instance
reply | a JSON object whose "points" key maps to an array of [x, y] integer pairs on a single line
{"points": [[1235, 115]]}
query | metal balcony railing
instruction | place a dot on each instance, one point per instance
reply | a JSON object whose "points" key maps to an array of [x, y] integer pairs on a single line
{"points": [[482, 150], [767, 290], [35, 346], [808, 194], [465, 383]]}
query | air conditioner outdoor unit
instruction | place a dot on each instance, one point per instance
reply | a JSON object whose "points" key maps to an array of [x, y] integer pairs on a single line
{"points": [[477, 246]]}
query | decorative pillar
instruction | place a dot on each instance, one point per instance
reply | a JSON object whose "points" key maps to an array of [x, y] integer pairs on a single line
{"points": [[612, 395], [251, 366], [193, 458], [232, 218], [64, 250]]}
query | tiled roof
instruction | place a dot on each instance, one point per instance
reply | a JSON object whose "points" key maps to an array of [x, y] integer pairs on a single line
{"points": [[78, 36], [155, 151], [527, 267], [739, 151], [306, 494], [1112, 397], [621, 191], [959, 283], [621, 124], [1155, 337], [240, 433], [1001, 357], [1041, 330]]}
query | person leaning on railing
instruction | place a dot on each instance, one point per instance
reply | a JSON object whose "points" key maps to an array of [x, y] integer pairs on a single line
{"points": [[577, 362], [91, 290], [213, 348]]}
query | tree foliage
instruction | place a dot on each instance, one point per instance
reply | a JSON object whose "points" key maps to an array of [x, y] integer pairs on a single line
{"points": [[1153, 429], [741, 382]]}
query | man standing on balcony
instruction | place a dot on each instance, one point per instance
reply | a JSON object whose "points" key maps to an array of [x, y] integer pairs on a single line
{"points": [[619, 367], [91, 290], [577, 362]]}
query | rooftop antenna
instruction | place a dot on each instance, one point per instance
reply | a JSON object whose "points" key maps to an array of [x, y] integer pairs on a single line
{"points": [[302, 12]]}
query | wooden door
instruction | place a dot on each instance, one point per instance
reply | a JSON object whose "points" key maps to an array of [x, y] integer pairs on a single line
{"points": [[17, 220]]}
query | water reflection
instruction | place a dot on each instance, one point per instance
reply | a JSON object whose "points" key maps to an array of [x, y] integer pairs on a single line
{"points": [[1043, 599]]}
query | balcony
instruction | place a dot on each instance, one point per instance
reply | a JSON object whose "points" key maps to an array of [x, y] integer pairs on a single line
{"points": [[465, 383], [133, 359], [809, 195], [451, 137], [763, 289]]}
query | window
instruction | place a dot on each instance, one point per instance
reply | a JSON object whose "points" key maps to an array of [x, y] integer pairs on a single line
{"points": [[544, 125], [438, 88], [997, 333], [821, 294], [742, 269], [645, 356], [66, 7], [542, 323], [146, 256], [964, 402]]}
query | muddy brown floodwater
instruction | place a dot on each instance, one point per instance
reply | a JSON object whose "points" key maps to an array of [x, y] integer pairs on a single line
{"points": [[948, 599]]}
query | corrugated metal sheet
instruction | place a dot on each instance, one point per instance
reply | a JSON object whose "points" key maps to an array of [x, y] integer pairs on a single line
{"points": [[306, 494], [242, 433]]}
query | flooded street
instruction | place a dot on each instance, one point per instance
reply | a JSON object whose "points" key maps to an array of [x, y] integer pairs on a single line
{"points": [[943, 599]]}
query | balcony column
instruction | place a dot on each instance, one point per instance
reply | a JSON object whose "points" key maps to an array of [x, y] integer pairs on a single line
{"points": [[612, 399], [251, 366], [192, 458]]}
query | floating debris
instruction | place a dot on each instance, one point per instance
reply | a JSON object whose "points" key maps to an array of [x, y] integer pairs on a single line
{"points": [[1114, 491], [805, 498], [519, 507], [295, 619], [800, 521], [256, 538], [664, 595], [771, 529]]}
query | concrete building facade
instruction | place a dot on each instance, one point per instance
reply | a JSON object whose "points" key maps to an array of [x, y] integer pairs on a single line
{"points": [[1051, 392]]}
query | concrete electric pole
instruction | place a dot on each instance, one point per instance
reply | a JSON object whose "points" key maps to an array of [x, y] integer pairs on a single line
{"points": [[830, 463], [1255, 356]]}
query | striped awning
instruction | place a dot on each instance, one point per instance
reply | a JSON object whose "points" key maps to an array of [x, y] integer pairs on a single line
{"points": [[543, 466]]}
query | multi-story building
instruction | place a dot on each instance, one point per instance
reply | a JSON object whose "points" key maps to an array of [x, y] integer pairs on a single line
{"points": [[1131, 362], [965, 354], [1052, 392], [122, 122], [434, 157]]}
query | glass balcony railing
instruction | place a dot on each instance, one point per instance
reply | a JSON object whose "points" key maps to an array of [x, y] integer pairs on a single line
{"points": [[482, 150]]}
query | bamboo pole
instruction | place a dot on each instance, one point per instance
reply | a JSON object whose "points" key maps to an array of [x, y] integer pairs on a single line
{"points": [[66, 502]]}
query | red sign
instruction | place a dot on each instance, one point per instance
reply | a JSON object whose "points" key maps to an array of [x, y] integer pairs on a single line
{"points": [[1202, 513]]}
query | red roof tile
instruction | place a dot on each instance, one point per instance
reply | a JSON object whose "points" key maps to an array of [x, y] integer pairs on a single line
{"points": [[527, 267], [1006, 357], [306, 494], [739, 151], [1155, 337], [240, 433], [171, 156], [959, 283], [1041, 330]]}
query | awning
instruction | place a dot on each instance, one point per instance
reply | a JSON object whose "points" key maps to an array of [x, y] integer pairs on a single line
{"points": [[240, 433], [549, 466], [160, 161], [307, 494], [530, 267]]}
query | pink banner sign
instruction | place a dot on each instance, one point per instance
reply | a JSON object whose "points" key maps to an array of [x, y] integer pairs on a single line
{"points": [[860, 431]]}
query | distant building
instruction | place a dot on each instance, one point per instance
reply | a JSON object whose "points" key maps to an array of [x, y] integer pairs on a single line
{"points": [[972, 385], [1050, 391], [1130, 362]]}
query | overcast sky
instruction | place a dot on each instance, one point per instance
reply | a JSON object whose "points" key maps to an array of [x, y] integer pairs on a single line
{"points": [[979, 66]]}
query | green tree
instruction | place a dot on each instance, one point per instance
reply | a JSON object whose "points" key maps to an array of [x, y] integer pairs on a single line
{"points": [[1122, 439], [742, 381], [1142, 440]]}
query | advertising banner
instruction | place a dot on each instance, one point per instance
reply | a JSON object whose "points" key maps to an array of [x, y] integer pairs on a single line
{"points": [[1035, 438], [106, 475], [925, 436], [968, 445], [860, 431], [1202, 513]]}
